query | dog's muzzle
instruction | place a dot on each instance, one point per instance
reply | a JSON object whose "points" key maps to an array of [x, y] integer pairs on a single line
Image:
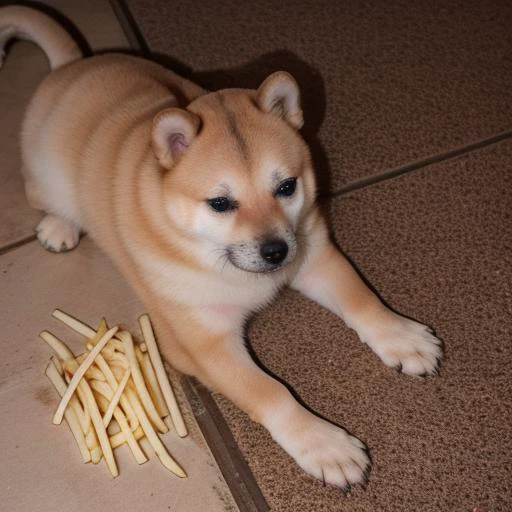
{"points": [[267, 255]]}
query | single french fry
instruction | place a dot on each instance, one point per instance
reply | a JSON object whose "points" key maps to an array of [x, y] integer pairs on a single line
{"points": [[57, 345], [71, 418], [152, 436], [115, 399], [149, 375], [105, 394], [140, 385], [79, 373], [96, 455], [163, 379], [74, 324]]}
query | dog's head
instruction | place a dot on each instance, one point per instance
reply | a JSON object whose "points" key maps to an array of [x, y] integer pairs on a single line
{"points": [[238, 175]]}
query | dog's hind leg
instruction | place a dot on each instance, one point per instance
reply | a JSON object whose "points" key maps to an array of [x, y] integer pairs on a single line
{"points": [[57, 234]]}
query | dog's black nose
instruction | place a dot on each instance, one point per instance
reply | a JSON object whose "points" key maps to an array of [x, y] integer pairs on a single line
{"points": [[274, 251]]}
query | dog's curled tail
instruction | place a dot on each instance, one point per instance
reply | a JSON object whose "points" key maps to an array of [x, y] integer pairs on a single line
{"points": [[32, 25]]}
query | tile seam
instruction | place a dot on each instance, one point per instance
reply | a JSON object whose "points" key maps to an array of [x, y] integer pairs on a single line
{"points": [[17, 244], [129, 26], [235, 470], [418, 165]]}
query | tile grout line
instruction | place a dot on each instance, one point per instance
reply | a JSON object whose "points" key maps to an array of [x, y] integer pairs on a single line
{"points": [[129, 26], [19, 243], [220, 440], [418, 165]]}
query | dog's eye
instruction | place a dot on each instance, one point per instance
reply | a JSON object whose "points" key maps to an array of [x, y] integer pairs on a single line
{"points": [[286, 188], [222, 204]]}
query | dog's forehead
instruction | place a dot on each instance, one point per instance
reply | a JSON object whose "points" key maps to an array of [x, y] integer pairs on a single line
{"points": [[231, 119], [248, 149], [225, 119], [224, 99], [230, 106]]}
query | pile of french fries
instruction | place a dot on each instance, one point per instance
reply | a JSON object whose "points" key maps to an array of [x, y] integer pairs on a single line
{"points": [[116, 392]]}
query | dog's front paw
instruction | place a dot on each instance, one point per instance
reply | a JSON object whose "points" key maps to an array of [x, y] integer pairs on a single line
{"points": [[405, 344], [57, 234], [324, 450]]}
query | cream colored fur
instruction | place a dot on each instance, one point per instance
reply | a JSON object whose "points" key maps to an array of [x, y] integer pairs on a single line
{"points": [[130, 153]]}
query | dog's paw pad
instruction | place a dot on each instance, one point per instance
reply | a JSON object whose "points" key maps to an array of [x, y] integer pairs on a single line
{"points": [[57, 234], [407, 345]]}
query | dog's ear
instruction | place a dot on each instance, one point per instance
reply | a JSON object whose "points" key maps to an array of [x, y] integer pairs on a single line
{"points": [[279, 95], [173, 131]]}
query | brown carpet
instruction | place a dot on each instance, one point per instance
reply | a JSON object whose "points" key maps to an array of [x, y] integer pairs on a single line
{"points": [[389, 87]]}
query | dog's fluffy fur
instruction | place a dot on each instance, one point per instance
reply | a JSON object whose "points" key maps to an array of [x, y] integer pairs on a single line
{"points": [[142, 160]]}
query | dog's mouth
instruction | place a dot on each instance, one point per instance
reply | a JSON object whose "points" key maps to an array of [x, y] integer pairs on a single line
{"points": [[255, 268]]}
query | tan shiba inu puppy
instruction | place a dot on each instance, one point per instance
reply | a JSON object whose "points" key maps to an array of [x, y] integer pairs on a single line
{"points": [[206, 202]]}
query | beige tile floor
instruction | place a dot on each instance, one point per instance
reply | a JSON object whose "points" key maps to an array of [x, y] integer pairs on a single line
{"points": [[41, 468]]}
